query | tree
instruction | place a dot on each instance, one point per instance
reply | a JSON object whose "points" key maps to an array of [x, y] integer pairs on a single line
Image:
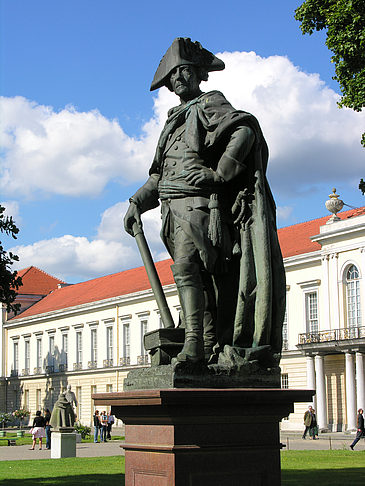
{"points": [[9, 280], [345, 24]]}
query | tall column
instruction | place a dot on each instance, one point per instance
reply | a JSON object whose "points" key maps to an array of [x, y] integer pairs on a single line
{"points": [[350, 392], [335, 310], [311, 377], [325, 299], [321, 393], [360, 380]]}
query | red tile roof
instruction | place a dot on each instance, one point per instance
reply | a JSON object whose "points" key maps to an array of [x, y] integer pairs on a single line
{"points": [[294, 240], [37, 282]]}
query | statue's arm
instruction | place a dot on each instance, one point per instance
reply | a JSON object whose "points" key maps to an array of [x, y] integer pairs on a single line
{"points": [[143, 200], [231, 163]]}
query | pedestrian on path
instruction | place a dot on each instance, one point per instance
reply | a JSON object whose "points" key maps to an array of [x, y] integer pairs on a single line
{"points": [[37, 430], [104, 426], [308, 417], [360, 428], [313, 431], [47, 418], [97, 425], [110, 424]]}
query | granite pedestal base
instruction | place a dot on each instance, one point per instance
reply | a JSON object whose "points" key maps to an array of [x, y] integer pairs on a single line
{"points": [[63, 443], [202, 437]]}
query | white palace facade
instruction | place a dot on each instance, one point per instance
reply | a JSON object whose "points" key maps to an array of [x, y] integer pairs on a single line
{"points": [[89, 335]]}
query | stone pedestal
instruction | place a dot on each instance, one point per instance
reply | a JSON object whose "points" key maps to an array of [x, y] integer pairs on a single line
{"points": [[63, 443], [202, 437]]}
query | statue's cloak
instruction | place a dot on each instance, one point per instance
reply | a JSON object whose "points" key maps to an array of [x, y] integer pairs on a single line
{"points": [[255, 252]]}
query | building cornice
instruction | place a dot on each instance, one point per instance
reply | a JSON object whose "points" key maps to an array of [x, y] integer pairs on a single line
{"points": [[339, 231], [88, 307], [304, 258]]}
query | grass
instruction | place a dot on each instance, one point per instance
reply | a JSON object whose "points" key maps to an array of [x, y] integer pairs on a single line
{"points": [[335, 468], [299, 468], [73, 471]]}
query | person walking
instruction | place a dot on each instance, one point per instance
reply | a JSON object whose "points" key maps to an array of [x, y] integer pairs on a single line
{"points": [[104, 426], [313, 431], [110, 424], [308, 417], [47, 418], [360, 428], [37, 430], [97, 426]]}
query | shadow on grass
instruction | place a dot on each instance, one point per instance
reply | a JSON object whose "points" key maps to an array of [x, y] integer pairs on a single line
{"points": [[324, 477], [82, 480]]}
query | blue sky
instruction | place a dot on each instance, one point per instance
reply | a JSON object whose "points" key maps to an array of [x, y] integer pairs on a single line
{"points": [[79, 124]]}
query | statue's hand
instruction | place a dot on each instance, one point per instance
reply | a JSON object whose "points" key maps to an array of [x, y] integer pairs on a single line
{"points": [[132, 216], [198, 175]]}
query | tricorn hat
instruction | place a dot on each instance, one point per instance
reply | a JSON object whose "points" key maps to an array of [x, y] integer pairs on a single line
{"points": [[184, 51]]}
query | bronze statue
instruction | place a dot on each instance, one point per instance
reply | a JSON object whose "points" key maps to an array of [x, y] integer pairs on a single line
{"points": [[218, 217], [62, 413]]}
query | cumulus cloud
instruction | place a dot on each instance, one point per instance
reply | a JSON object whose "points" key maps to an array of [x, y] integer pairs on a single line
{"points": [[78, 258], [11, 209], [73, 153]]}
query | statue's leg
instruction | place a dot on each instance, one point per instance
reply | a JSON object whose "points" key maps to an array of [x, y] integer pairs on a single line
{"points": [[210, 316], [190, 289]]}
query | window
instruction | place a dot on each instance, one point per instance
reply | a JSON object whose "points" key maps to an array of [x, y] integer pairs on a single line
{"points": [[27, 354], [38, 399], [51, 351], [312, 312], [79, 405], [144, 330], [26, 399], [79, 347], [64, 348], [16, 356], [94, 345], [126, 341], [285, 330], [353, 297], [39, 353], [284, 380], [109, 343], [109, 388]]}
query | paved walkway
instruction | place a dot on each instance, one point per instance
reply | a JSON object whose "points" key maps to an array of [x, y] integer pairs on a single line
{"points": [[291, 441], [85, 449]]}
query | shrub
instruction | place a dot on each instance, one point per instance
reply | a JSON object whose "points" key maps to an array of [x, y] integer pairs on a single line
{"points": [[83, 430]]}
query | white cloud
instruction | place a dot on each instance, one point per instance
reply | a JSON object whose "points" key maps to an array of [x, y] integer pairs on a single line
{"points": [[12, 209], [112, 250], [73, 153]]}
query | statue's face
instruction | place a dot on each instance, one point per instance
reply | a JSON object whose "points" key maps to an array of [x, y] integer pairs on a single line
{"points": [[185, 82]]}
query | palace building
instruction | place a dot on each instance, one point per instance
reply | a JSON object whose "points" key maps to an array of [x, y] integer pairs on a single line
{"points": [[89, 335]]}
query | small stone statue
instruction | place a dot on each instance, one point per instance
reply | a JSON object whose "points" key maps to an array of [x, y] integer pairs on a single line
{"points": [[62, 414], [70, 396]]}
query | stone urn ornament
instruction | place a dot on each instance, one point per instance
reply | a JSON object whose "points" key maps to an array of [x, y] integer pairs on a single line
{"points": [[334, 205]]}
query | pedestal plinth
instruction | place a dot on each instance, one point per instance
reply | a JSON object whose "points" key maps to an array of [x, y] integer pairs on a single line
{"points": [[63, 443], [202, 437]]}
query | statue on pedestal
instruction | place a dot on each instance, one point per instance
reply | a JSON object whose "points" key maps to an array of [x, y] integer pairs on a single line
{"points": [[62, 413], [218, 219], [70, 396]]}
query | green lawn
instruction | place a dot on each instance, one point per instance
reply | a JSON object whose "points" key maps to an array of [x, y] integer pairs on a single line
{"points": [[27, 439], [299, 468]]}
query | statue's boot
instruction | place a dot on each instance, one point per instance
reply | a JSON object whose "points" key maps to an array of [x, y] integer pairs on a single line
{"points": [[190, 289]]}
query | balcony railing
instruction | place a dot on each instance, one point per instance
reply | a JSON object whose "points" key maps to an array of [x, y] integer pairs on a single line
{"points": [[92, 365], [49, 369], [77, 366], [37, 370], [62, 367], [142, 360], [125, 361], [333, 335], [25, 372], [107, 363], [285, 345]]}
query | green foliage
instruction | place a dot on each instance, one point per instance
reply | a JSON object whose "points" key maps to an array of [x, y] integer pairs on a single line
{"points": [[21, 413], [345, 24], [83, 430], [9, 280], [4, 418]]}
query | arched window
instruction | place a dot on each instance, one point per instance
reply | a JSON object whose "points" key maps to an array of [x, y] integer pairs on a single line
{"points": [[353, 297]]}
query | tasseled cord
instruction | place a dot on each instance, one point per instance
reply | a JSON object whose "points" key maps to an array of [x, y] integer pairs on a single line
{"points": [[215, 224]]}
